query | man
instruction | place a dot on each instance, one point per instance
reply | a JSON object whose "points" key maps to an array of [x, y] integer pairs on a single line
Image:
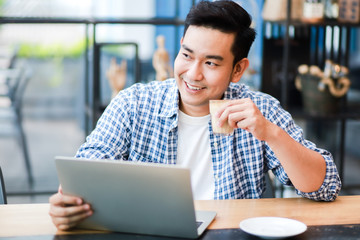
{"points": [[168, 122]]}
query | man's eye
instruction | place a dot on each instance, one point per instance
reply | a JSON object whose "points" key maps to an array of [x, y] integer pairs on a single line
{"points": [[212, 64], [186, 55]]}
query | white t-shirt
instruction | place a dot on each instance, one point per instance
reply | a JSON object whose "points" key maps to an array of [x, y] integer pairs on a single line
{"points": [[194, 152]]}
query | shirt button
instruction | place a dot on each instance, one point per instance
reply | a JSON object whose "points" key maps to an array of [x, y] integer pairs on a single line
{"points": [[215, 144]]}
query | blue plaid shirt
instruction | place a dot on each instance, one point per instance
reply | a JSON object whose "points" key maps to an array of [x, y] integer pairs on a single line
{"points": [[140, 124]]}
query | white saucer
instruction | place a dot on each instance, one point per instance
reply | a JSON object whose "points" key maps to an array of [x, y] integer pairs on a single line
{"points": [[272, 227]]}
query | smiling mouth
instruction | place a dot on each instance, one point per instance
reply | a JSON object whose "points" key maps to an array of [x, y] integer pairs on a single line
{"points": [[193, 87]]}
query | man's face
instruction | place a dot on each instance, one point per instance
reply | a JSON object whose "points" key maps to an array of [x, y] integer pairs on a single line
{"points": [[203, 68]]}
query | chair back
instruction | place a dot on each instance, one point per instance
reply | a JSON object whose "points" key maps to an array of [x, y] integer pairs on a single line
{"points": [[270, 190], [23, 79], [3, 198]]}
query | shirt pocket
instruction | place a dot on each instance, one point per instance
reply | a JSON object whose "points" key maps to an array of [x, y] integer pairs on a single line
{"points": [[136, 157]]}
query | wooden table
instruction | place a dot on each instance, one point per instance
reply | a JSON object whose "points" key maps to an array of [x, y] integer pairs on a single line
{"points": [[344, 210], [33, 219]]}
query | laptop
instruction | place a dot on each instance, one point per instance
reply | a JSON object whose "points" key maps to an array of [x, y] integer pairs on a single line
{"points": [[133, 197]]}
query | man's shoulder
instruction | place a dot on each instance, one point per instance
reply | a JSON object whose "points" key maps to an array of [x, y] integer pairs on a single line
{"points": [[154, 85], [237, 91], [152, 97], [150, 89]]}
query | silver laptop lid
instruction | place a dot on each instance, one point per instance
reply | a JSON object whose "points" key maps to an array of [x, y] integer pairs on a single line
{"points": [[132, 197]]}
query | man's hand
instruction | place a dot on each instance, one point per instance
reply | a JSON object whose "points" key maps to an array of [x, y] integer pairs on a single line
{"points": [[243, 113], [68, 211]]}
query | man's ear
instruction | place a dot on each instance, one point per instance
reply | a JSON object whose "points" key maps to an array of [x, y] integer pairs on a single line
{"points": [[181, 41], [239, 69]]}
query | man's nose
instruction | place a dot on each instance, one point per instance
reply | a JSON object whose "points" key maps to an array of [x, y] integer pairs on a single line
{"points": [[195, 72]]}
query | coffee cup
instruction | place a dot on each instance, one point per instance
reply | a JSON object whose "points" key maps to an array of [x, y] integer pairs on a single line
{"points": [[225, 129]]}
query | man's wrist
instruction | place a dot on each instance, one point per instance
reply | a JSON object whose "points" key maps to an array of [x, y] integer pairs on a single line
{"points": [[273, 133]]}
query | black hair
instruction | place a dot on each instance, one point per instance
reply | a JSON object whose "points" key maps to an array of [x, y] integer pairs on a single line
{"points": [[227, 17]]}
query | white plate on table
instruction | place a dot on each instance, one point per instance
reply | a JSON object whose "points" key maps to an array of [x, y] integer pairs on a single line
{"points": [[272, 227]]}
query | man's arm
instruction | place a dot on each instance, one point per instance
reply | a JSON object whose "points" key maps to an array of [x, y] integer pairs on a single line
{"points": [[306, 168]]}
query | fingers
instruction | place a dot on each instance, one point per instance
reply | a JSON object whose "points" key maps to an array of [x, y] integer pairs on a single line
{"points": [[65, 218], [232, 112], [68, 211], [60, 189], [238, 120], [244, 114], [245, 124], [61, 199], [241, 113]]}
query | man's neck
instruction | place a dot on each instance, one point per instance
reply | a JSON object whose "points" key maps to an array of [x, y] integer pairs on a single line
{"points": [[195, 111]]}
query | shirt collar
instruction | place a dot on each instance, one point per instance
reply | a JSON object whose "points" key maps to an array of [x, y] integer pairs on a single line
{"points": [[235, 91], [170, 104]]}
